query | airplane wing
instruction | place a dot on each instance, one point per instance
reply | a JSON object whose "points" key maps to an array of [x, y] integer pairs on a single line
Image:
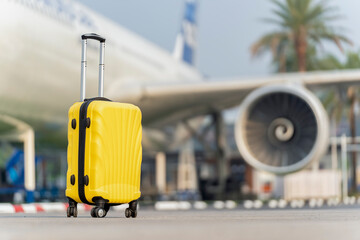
{"points": [[171, 102]]}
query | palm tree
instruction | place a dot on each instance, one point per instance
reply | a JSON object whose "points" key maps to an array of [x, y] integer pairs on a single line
{"points": [[301, 23], [336, 106], [331, 62]]}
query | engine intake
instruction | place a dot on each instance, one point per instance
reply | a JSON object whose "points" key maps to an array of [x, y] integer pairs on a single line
{"points": [[281, 129]]}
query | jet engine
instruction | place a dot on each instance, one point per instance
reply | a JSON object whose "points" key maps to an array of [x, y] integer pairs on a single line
{"points": [[281, 128]]}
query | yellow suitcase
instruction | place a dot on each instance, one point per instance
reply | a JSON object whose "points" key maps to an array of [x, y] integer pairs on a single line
{"points": [[104, 150]]}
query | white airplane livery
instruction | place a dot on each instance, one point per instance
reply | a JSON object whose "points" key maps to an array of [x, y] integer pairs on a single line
{"points": [[281, 127]]}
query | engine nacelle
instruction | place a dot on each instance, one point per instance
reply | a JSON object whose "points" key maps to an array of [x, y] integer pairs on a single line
{"points": [[281, 128]]}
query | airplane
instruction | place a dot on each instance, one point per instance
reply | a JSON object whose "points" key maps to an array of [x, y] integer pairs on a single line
{"points": [[281, 127]]}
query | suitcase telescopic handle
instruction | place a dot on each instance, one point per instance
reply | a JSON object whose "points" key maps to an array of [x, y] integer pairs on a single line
{"points": [[84, 38]]}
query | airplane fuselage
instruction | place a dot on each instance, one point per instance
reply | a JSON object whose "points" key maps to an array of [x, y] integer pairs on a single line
{"points": [[40, 59]]}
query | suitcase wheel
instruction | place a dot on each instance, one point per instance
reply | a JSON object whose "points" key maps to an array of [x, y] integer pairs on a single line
{"points": [[98, 212], [134, 214], [92, 213], [101, 208], [71, 211], [127, 213], [131, 211]]}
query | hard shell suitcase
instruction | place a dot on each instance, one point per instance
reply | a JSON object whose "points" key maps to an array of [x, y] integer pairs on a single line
{"points": [[104, 149]]}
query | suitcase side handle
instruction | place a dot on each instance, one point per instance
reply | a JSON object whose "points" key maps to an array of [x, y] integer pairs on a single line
{"points": [[84, 38]]}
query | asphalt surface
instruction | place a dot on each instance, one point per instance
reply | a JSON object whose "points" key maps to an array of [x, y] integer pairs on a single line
{"points": [[321, 224]]}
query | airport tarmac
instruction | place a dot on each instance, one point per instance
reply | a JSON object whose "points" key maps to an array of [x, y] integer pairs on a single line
{"points": [[321, 224]]}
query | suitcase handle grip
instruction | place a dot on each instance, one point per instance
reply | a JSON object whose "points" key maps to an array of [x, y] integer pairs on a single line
{"points": [[84, 38], [93, 36]]}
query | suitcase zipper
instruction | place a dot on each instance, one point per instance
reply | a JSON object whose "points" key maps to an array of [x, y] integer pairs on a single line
{"points": [[81, 158], [83, 124]]}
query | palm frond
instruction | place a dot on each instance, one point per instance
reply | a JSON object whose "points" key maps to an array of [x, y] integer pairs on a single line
{"points": [[285, 18], [273, 21], [280, 5], [268, 42], [336, 38]]}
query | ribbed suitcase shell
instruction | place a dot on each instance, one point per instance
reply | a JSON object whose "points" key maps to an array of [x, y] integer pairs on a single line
{"points": [[113, 152]]}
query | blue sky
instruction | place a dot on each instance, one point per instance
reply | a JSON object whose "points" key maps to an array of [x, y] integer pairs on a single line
{"points": [[227, 28]]}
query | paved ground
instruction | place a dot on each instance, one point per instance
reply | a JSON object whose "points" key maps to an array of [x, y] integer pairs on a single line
{"points": [[322, 224]]}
